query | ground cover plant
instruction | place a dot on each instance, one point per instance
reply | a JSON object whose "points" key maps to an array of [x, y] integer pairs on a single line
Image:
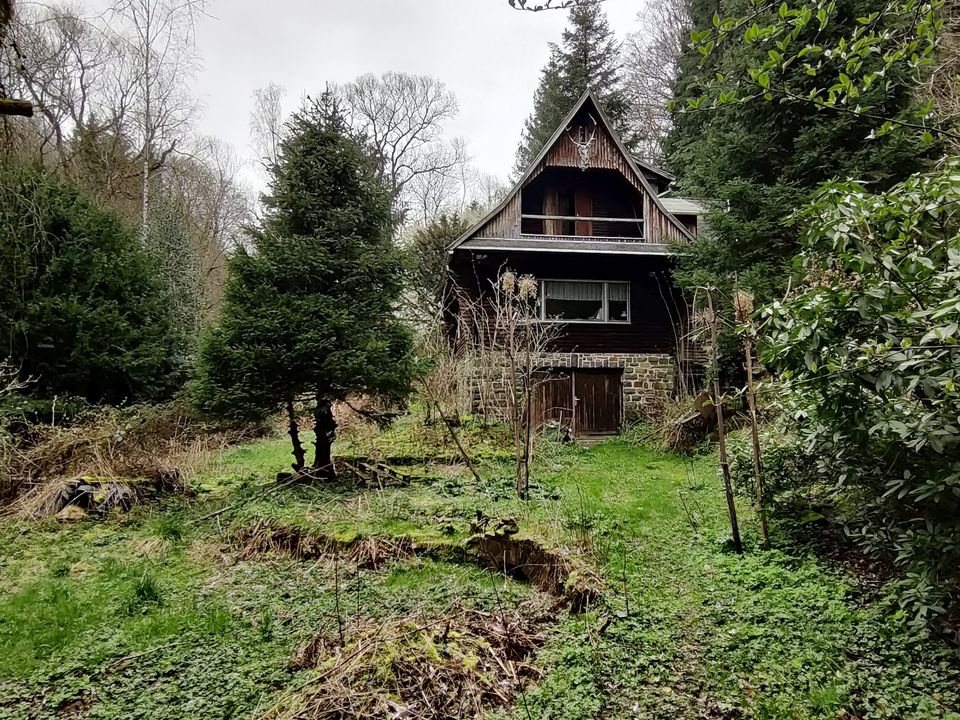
{"points": [[259, 598]]}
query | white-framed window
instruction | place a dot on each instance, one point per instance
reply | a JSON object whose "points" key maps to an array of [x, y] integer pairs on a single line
{"points": [[598, 301]]}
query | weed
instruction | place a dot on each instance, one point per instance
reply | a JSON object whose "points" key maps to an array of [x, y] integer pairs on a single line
{"points": [[145, 593]]}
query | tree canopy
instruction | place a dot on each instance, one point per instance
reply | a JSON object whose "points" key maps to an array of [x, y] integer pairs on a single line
{"points": [[86, 314], [757, 159]]}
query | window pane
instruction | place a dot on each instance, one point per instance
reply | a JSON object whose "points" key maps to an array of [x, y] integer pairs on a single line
{"points": [[617, 291], [573, 300], [617, 299]]}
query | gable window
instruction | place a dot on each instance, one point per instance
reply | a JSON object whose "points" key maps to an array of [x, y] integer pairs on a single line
{"points": [[585, 301]]}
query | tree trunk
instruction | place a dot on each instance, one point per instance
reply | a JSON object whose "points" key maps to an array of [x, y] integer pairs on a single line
{"points": [[300, 457], [325, 427], [147, 130], [8, 106]]}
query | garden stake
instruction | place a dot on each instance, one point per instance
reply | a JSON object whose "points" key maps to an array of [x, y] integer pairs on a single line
{"points": [[755, 435], [721, 433]]}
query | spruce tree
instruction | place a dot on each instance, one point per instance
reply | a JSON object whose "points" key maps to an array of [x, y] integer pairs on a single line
{"points": [[588, 56], [757, 161], [309, 308]]}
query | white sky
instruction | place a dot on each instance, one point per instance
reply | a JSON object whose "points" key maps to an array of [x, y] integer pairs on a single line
{"points": [[487, 53]]}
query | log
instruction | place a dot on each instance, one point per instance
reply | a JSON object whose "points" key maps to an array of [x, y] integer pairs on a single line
{"points": [[9, 106]]}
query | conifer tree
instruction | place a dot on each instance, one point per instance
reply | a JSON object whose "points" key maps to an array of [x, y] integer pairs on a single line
{"points": [[308, 310], [588, 56], [84, 314], [758, 160]]}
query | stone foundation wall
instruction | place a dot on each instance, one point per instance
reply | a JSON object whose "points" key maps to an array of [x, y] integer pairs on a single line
{"points": [[648, 380]]}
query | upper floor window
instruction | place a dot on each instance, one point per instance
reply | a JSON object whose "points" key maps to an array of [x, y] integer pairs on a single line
{"points": [[585, 301]]}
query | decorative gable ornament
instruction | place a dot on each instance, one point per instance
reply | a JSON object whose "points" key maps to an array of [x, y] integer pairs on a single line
{"points": [[583, 136]]}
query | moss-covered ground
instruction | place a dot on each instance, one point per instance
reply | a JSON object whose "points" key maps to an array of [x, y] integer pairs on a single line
{"points": [[162, 613]]}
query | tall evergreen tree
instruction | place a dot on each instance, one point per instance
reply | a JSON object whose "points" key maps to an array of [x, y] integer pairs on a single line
{"points": [[309, 309], [758, 160], [588, 56]]}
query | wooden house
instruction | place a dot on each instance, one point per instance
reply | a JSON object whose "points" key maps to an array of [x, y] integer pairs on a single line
{"points": [[595, 226]]}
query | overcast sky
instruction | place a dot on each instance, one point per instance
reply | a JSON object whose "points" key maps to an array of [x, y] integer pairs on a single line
{"points": [[487, 53]]}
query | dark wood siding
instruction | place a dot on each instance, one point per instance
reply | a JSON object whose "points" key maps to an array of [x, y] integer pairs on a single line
{"points": [[655, 305], [659, 226]]}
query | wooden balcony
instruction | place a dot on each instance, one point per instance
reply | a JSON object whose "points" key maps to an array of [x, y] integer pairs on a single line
{"points": [[619, 229]]}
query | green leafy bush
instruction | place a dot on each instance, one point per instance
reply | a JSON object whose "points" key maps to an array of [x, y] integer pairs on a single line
{"points": [[868, 351], [788, 469]]}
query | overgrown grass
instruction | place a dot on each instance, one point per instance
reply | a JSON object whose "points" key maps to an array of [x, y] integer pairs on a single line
{"points": [[152, 614]]}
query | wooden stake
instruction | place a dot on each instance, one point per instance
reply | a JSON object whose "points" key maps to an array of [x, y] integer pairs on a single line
{"points": [[721, 431], [755, 434]]}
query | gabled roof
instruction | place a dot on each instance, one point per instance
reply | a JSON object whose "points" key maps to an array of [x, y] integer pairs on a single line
{"points": [[632, 162], [653, 169]]}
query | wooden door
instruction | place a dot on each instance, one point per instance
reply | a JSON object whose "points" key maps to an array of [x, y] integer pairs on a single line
{"points": [[553, 398], [598, 401], [584, 208]]}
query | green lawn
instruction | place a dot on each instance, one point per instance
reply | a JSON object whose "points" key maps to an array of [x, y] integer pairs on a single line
{"points": [[158, 614]]}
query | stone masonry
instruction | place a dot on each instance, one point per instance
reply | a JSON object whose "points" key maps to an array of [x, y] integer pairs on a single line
{"points": [[648, 380]]}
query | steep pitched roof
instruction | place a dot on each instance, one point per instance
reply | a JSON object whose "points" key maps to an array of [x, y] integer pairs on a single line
{"points": [[632, 163]]}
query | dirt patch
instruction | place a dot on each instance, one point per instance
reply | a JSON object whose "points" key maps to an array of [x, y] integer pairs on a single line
{"points": [[494, 545], [77, 707], [826, 539], [556, 571], [456, 665]]}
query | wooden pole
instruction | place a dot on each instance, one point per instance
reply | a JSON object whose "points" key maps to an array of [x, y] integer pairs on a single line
{"points": [[721, 431], [755, 435]]}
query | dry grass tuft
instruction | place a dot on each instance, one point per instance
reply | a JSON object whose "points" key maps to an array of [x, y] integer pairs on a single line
{"points": [[162, 444], [684, 424], [454, 665]]}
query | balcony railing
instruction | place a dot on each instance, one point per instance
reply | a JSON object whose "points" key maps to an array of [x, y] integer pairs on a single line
{"points": [[634, 226]]}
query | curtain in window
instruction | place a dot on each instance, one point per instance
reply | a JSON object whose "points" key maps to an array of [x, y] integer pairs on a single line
{"points": [[569, 290], [617, 298], [568, 300], [617, 291]]}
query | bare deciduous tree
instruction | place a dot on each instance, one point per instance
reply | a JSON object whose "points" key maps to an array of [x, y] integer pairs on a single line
{"points": [[162, 48], [266, 123], [505, 341], [534, 6], [651, 64], [403, 117]]}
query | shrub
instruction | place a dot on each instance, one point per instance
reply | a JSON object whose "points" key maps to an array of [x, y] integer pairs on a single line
{"points": [[867, 348], [86, 315], [788, 469]]}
